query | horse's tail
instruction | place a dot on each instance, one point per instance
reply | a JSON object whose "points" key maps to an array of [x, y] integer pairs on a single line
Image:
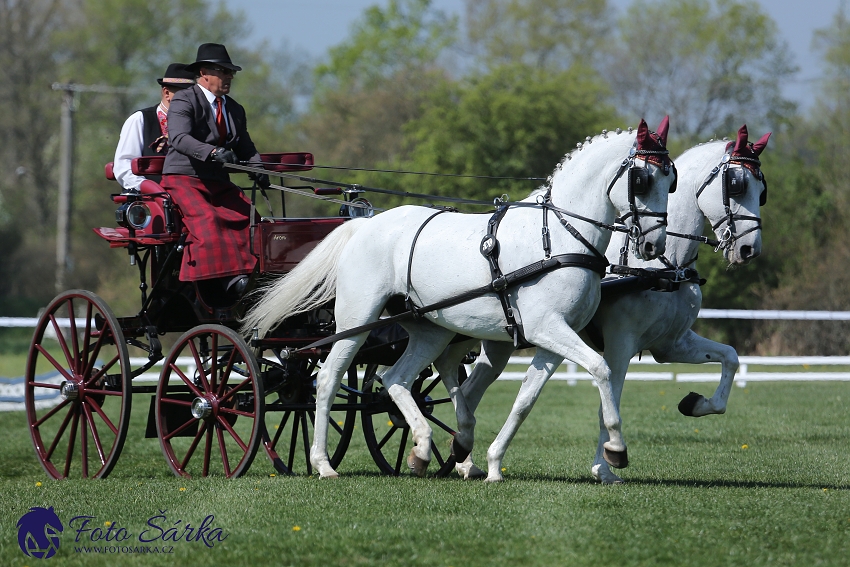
{"points": [[310, 284]]}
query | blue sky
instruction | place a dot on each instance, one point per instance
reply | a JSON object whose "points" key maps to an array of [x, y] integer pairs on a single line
{"points": [[315, 25]]}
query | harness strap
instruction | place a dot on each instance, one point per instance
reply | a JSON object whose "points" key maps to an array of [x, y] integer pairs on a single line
{"points": [[407, 299], [497, 278], [513, 278]]}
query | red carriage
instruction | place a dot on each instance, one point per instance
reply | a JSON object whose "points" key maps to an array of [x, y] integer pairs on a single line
{"points": [[220, 396]]}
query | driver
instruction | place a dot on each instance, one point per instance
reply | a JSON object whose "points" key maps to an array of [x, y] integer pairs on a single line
{"points": [[208, 129]]}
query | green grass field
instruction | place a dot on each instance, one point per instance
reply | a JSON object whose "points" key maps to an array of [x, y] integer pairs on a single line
{"points": [[765, 484]]}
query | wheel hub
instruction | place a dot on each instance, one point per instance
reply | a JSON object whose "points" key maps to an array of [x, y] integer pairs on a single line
{"points": [[201, 408], [69, 390]]}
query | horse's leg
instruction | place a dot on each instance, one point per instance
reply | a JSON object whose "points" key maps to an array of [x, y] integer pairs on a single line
{"points": [[491, 362], [617, 355], [694, 349], [447, 367], [424, 345], [550, 353], [327, 384]]}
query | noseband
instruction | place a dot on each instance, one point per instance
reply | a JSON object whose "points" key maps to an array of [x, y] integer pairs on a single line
{"points": [[639, 182], [734, 183]]}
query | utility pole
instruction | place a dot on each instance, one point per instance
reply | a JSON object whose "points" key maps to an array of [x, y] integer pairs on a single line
{"points": [[66, 168]]}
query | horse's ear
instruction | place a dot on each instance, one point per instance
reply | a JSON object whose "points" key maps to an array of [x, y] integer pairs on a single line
{"points": [[741, 141], [759, 146], [662, 129], [642, 134]]}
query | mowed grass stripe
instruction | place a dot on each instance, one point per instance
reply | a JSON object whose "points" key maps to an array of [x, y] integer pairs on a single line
{"points": [[694, 495]]}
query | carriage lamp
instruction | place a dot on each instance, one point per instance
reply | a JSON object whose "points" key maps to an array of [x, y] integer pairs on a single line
{"points": [[362, 208], [135, 215]]}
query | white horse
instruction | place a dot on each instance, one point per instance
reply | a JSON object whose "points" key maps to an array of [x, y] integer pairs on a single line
{"points": [[428, 257], [660, 321]]}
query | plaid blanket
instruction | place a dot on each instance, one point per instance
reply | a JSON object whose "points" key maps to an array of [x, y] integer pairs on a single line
{"points": [[217, 216]]}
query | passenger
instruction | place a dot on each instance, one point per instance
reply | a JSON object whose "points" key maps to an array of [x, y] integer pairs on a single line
{"points": [[208, 129], [145, 132]]}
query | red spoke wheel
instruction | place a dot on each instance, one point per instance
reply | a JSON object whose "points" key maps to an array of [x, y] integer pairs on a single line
{"points": [[209, 404], [290, 415], [78, 387], [387, 433]]}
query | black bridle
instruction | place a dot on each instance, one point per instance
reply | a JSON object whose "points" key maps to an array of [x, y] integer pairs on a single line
{"points": [[640, 183], [735, 184]]}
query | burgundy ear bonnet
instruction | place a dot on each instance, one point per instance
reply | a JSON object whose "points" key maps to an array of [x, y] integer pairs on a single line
{"points": [[654, 142], [743, 148]]}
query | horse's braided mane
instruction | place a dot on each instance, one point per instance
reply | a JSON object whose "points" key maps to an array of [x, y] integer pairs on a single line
{"points": [[569, 155]]}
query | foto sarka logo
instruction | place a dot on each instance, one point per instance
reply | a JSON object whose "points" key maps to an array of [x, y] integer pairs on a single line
{"points": [[38, 532]]}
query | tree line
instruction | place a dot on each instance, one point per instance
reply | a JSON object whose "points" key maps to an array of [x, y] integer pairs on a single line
{"points": [[505, 90]]}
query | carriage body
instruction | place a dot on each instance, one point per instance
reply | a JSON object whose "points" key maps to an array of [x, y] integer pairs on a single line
{"points": [[238, 393]]}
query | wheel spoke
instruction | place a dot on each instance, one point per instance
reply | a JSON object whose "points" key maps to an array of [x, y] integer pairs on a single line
{"points": [[231, 411], [102, 371], [437, 454], [59, 433], [294, 440], [225, 376], [226, 397], [96, 350], [401, 451], [71, 440], [192, 448], [431, 386], [95, 437], [208, 426], [280, 428], [45, 385], [430, 417], [84, 354], [74, 341], [51, 413], [175, 402], [180, 429], [223, 449], [213, 362], [64, 345], [335, 425], [63, 371], [104, 392], [186, 380], [306, 443], [389, 435], [84, 445], [199, 366], [223, 423], [103, 416]]}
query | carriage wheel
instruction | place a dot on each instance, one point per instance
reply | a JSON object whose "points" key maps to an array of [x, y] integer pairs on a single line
{"points": [[78, 387], [388, 434], [209, 418], [291, 415]]}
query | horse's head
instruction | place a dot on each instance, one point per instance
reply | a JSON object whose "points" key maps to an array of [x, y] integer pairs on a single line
{"points": [[640, 188], [730, 197]]}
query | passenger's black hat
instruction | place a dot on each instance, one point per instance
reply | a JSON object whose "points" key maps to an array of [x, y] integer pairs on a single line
{"points": [[177, 77], [214, 53]]}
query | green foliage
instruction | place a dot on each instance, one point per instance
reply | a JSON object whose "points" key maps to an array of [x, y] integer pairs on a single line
{"points": [[406, 35], [514, 121], [543, 33], [710, 64]]}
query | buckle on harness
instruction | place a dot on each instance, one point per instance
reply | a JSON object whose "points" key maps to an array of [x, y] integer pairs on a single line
{"points": [[499, 283]]}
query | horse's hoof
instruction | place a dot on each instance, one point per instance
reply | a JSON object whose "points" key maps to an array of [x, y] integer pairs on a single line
{"points": [[417, 466], [459, 452], [617, 459], [688, 403], [604, 475], [468, 471]]}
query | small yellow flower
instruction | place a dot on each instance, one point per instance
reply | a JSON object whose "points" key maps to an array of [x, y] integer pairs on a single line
{"points": [[296, 528], [276, 426], [38, 483], [696, 430], [504, 469], [662, 392], [272, 475], [107, 523], [745, 446], [825, 489], [182, 489], [663, 408], [339, 423], [390, 423]]}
